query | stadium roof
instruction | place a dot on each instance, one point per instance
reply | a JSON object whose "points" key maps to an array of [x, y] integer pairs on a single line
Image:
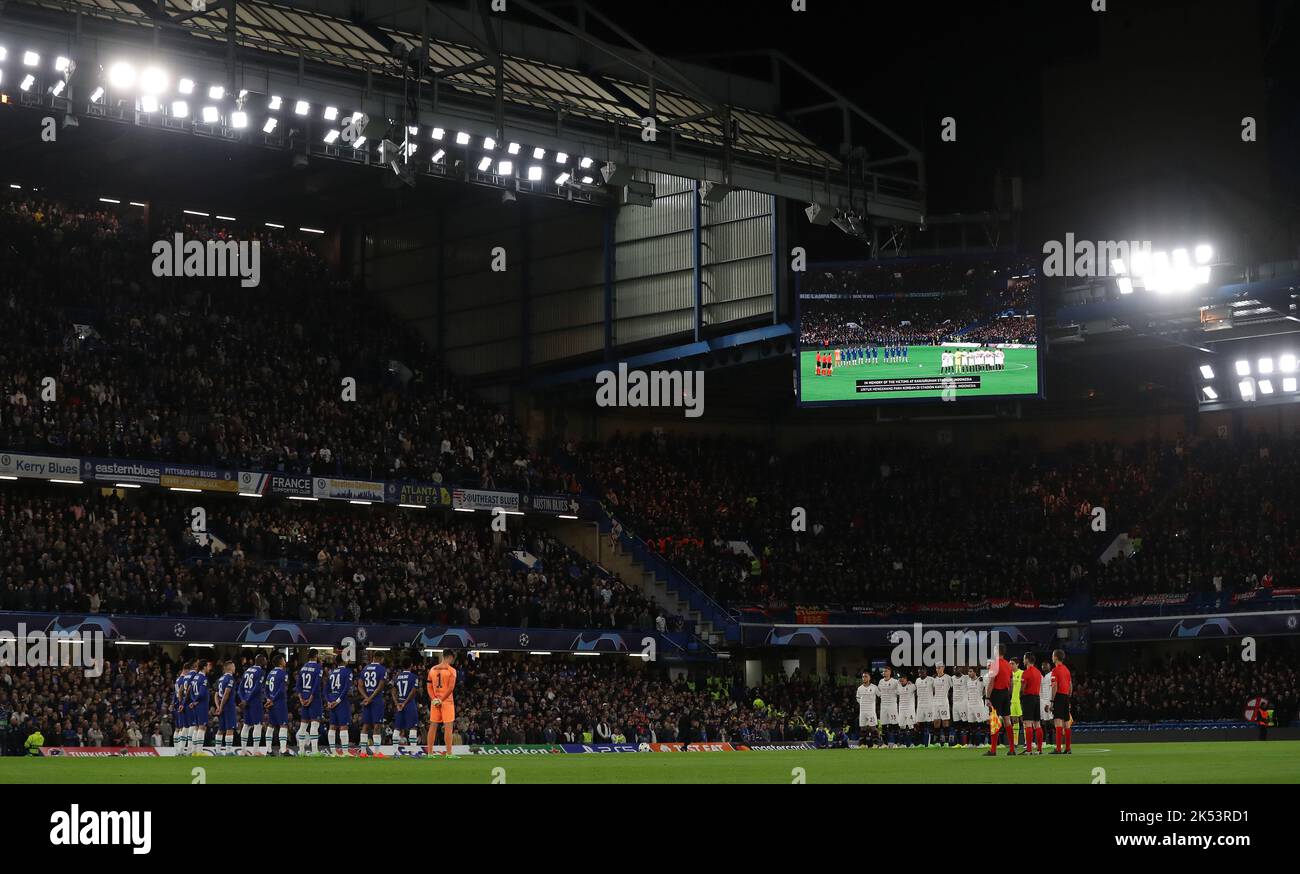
{"points": [[464, 65]]}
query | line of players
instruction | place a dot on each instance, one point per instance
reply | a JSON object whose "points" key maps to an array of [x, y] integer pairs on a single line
{"points": [[972, 361], [968, 709], [955, 361], [256, 705]]}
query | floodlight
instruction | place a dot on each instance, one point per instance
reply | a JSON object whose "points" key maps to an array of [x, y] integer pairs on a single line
{"points": [[484, 165], [514, 148], [1266, 365], [586, 163], [561, 158], [185, 86], [331, 113], [462, 138], [534, 174], [1210, 393], [61, 64], [121, 75], [210, 115], [1266, 386], [58, 87], [1125, 285], [31, 59], [1207, 371], [148, 103], [28, 81], [563, 178], [1287, 363], [274, 103], [1117, 266], [1288, 383], [216, 92], [506, 168], [489, 143], [1243, 368], [438, 155], [539, 153], [302, 107], [438, 133], [96, 95], [1204, 254], [1246, 388], [269, 127], [239, 120], [153, 81]]}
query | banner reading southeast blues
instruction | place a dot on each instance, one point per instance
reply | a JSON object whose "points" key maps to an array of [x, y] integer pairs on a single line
{"points": [[475, 499]]}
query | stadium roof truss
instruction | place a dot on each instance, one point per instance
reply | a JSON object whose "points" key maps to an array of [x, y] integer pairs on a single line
{"points": [[391, 65]]}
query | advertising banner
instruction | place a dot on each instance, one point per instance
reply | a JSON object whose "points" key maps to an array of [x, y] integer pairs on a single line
{"points": [[145, 473], [39, 466], [419, 494], [474, 499], [557, 505], [347, 490]]}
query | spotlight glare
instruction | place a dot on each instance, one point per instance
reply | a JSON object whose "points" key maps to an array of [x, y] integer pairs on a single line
{"points": [[1246, 388], [148, 103], [239, 120], [462, 138], [1207, 371], [489, 143], [216, 92], [1266, 365], [153, 81], [360, 141], [274, 103], [331, 113], [31, 59], [331, 136], [438, 133], [210, 115], [61, 64], [1117, 267], [58, 87], [302, 107], [1125, 285], [1266, 386], [28, 81], [514, 148], [96, 95], [506, 168], [1287, 363], [1243, 368], [539, 153], [586, 163], [484, 165], [1288, 383], [1204, 254], [1210, 393], [438, 155], [561, 158], [563, 179], [534, 174], [185, 86], [121, 75]]}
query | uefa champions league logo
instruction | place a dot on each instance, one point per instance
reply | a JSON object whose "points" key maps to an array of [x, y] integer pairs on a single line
{"points": [[1118, 631], [523, 640], [179, 629]]}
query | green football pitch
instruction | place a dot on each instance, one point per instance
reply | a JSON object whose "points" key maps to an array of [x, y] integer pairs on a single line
{"points": [[1191, 762], [1020, 377]]}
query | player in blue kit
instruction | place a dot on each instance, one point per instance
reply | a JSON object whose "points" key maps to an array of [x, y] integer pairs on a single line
{"points": [[180, 709], [200, 704], [406, 707], [277, 707], [311, 706], [370, 685], [252, 697], [338, 703], [227, 715]]}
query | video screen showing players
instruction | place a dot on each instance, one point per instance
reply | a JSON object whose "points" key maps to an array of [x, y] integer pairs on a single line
{"points": [[918, 328]]}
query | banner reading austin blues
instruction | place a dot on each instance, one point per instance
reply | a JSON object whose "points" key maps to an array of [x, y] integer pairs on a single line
{"points": [[474, 499], [419, 494], [558, 505], [187, 629], [1260, 624], [145, 473], [39, 466], [253, 482], [347, 490]]}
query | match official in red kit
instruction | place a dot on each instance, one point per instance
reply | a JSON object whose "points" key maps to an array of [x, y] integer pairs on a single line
{"points": [[1031, 690], [999, 693], [1061, 687]]}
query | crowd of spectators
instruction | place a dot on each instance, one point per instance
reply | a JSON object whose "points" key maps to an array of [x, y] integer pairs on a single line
{"points": [[886, 524], [205, 371], [137, 555]]}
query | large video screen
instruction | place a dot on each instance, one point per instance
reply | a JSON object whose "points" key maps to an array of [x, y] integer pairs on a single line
{"points": [[919, 328]]}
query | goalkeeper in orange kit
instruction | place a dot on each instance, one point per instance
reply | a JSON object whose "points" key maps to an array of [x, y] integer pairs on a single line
{"points": [[442, 707]]}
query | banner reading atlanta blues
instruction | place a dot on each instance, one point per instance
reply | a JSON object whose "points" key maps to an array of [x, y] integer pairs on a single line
{"points": [[474, 499], [419, 494], [39, 466]]}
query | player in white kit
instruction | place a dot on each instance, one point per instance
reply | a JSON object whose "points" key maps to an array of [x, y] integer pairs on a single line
{"points": [[907, 710], [924, 703], [977, 706], [1045, 705], [889, 707], [868, 724], [942, 708], [959, 715]]}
